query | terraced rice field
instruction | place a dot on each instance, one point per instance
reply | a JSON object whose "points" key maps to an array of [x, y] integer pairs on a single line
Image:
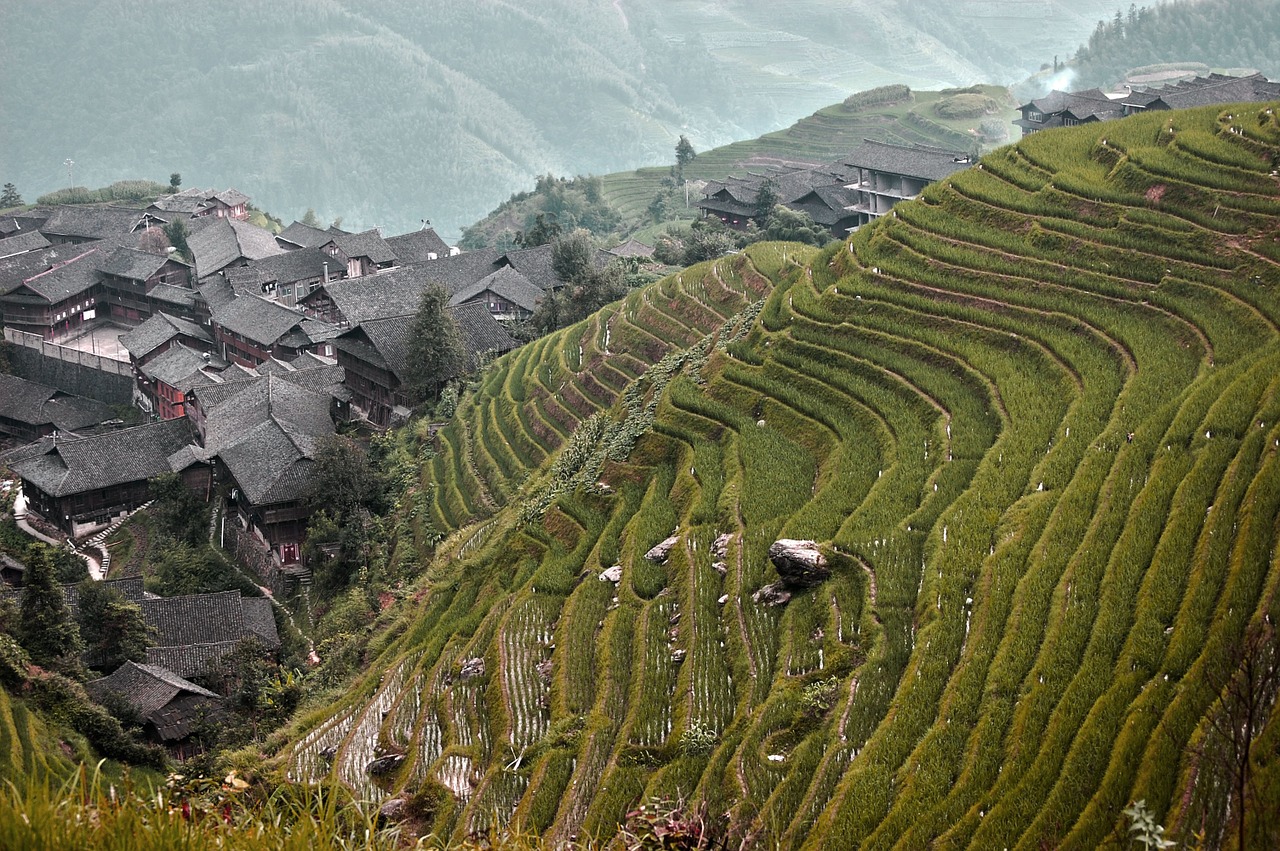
{"points": [[1032, 418]]}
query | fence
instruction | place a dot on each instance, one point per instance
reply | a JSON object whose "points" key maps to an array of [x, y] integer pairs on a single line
{"points": [[66, 354]]}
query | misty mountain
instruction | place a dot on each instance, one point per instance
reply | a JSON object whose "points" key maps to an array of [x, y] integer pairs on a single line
{"points": [[388, 111]]}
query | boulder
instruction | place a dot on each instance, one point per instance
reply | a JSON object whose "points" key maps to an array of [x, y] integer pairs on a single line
{"points": [[472, 668], [660, 552], [394, 809], [800, 563], [720, 568], [720, 547], [775, 594], [384, 764], [613, 574]]}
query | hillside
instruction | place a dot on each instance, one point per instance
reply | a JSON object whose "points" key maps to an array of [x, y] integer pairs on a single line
{"points": [[385, 112], [1032, 420], [920, 117]]}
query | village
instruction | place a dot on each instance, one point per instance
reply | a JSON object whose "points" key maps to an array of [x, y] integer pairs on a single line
{"points": [[242, 353]]}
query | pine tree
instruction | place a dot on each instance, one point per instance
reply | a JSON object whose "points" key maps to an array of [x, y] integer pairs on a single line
{"points": [[435, 348], [45, 628], [10, 196], [112, 628]]}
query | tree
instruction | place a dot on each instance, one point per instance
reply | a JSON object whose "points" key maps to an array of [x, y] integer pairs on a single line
{"points": [[46, 629], [177, 233], [685, 154], [180, 511], [310, 219], [1246, 687], [545, 229], [789, 226], [112, 628], [766, 199], [175, 182], [435, 346], [10, 197], [344, 479]]}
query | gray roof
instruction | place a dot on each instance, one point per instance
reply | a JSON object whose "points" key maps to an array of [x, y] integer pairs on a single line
{"points": [[159, 329], [37, 405], [89, 222], [190, 660], [298, 265], [231, 197], [195, 618], [632, 248], [68, 278], [306, 236], [163, 698], [180, 367], [506, 282], [367, 243], [225, 241], [1215, 89], [70, 465], [921, 161], [265, 431], [416, 246], [130, 263], [260, 621], [257, 319], [22, 242], [481, 333]]}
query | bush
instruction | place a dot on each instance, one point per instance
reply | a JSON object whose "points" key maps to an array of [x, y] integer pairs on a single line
{"points": [[878, 96]]}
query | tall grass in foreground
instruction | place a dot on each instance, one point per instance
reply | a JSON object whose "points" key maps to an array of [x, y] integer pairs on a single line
{"points": [[88, 811]]}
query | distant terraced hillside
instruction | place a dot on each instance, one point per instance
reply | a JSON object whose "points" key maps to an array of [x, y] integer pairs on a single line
{"points": [[1033, 419]]}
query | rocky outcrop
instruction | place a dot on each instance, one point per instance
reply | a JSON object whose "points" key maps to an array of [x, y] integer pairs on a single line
{"points": [[659, 553], [384, 764], [613, 574], [800, 563]]}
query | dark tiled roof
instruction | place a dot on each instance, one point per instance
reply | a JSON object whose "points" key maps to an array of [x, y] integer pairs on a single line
{"points": [[22, 243], [159, 329], [190, 660], [507, 283], [367, 243], [304, 236], [72, 465], [299, 265], [14, 270], [130, 263], [481, 333], [1205, 91], [257, 319], [919, 161], [170, 294], [23, 400], [162, 697], [632, 248], [416, 246], [195, 618], [266, 435], [535, 264], [88, 222], [131, 589], [180, 367], [73, 413], [226, 241], [68, 278], [260, 621], [37, 405], [231, 197]]}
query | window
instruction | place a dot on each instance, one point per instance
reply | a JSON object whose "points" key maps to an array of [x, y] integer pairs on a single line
{"points": [[1032, 115], [287, 291]]}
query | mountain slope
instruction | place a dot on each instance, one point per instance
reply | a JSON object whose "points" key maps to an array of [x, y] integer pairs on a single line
{"points": [[1034, 421], [390, 111]]}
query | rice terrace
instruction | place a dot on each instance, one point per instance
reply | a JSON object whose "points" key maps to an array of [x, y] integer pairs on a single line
{"points": [[1032, 422]]}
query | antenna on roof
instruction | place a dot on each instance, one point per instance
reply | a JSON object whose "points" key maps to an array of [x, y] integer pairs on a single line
{"points": [[426, 223]]}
